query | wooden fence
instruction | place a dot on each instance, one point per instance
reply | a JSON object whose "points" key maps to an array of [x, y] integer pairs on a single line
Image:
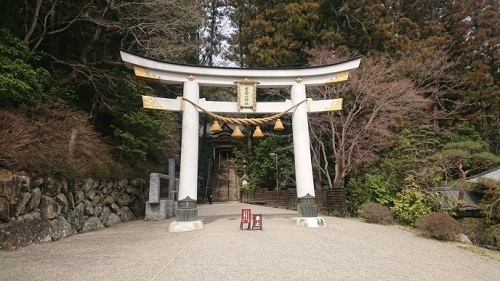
{"points": [[327, 200]]}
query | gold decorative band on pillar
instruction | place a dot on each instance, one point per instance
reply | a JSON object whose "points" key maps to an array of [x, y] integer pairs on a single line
{"points": [[187, 210], [306, 206]]}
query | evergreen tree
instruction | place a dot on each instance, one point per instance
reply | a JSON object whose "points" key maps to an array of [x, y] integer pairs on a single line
{"points": [[21, 80], [464, 154], [274, 33]]}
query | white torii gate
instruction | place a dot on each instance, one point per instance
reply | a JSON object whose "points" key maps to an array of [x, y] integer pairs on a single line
{"points": [[192, 77]]}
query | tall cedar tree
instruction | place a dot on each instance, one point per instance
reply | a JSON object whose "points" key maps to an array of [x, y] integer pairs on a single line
{"points": [[274, 33]]}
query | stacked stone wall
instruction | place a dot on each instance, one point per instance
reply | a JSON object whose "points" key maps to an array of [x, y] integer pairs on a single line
{"points": [[40, 210]]}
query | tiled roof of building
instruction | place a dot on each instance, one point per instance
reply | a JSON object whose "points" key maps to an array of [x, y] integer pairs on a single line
{"points": [[493, 174], [471, 200]]}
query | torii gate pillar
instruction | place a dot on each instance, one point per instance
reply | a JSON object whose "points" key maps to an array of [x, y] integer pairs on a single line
{"points": [[187, 212], [192, 77], [306, 205]]}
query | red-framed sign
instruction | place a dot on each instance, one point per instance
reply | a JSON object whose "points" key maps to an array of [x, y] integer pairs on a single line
{"points": [[257, 221], [246, 215]]}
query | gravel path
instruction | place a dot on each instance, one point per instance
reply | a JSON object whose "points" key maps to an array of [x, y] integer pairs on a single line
{"points": [[343, 250]]}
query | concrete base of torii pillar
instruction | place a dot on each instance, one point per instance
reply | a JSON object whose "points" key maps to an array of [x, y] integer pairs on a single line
{"points": [[187, 217], [308, 212], [309, 222], [183, 226]]}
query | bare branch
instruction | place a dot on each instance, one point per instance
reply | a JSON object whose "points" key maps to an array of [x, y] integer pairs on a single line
{"points": [[378, 101]]}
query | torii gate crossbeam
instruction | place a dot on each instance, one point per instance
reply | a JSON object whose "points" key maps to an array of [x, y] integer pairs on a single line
{"points": [[192, 77]]}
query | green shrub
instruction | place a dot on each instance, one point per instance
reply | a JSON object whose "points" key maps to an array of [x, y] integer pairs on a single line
{"points": [[356, 195], [410, 205], [439, 225], [481, 233], [473, 228], [20, 79], [491, 200], [491, 237], [376, 213]]}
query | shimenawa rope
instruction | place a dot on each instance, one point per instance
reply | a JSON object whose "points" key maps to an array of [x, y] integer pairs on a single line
{"points": [[244, 121]]}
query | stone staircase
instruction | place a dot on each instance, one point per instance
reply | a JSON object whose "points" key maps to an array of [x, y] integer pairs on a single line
{"points": [[224, 180]]}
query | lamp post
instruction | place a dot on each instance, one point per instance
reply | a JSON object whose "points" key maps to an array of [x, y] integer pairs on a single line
{"points": [[272, 154], [244, 181]]}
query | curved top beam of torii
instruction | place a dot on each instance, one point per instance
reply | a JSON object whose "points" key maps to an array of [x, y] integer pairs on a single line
{"points": [[227, 76]]}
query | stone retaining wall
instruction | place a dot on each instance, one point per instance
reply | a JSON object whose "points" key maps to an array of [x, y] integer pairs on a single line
{"points": [[42, 209]]}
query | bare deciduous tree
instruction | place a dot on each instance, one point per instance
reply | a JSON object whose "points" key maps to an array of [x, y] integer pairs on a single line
{"points": [[37, 143], [160, 28], [377, 102]]}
